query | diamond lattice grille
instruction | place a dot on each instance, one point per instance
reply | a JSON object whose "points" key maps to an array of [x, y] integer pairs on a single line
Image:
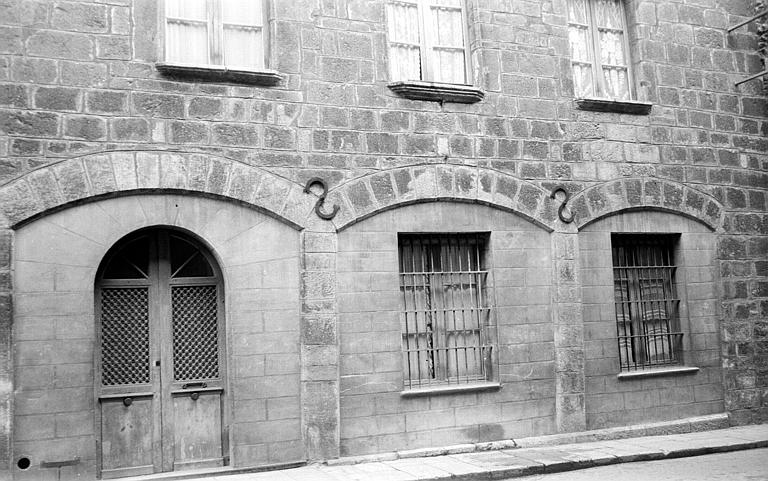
{"points": [[124, 336], [195, 333]]}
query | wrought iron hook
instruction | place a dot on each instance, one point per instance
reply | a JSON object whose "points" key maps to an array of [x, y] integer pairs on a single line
{"points": [[561, 209], [321, 199]]}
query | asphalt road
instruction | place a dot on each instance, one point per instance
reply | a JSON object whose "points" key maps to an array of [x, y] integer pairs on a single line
{"points": [[749, 465]]}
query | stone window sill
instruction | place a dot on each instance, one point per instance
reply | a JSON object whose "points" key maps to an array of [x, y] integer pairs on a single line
{"points": [[220, 74], [662, 371], [437, 92], [635, 107], [451, 389]]}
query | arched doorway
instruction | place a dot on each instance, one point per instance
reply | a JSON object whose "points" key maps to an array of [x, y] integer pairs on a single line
{"points": [[160, 376]]}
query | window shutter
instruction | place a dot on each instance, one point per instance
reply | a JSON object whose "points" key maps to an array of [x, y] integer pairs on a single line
{"points": [[243, 25], [187, 30], [447, 42], [404, 41], [610, 29]]}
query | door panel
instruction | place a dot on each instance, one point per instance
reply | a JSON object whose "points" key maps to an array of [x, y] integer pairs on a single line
{"points": [[127, 433], [197, 419]]}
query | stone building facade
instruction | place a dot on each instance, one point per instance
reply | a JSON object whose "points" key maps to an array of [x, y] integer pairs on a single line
{"points": [[110, 154]]}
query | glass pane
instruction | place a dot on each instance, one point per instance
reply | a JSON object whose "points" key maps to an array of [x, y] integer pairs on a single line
{"points": [[583, 86], [449, 27], [609, 14], [404, 63], [449, 66], [187, 260], [579, 39], [242, 12], [189, 9], [403, 23], [612, 48], [616, 83], [243, 47], [577, 12], [130, 262], [187, 43]]}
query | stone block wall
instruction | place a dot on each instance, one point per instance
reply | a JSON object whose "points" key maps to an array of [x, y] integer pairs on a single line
{"points": [[54, 328], [616, 401], [375, 414], [78, 79]]}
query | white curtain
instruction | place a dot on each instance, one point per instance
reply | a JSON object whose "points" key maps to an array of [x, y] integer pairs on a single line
{"points": [[605, 16], [187, 32], [243, 33], [404, 41], [609, 18], [448, 62]]}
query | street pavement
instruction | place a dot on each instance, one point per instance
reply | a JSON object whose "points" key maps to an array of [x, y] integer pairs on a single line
{"points": [[748, 465], [514, 462]]}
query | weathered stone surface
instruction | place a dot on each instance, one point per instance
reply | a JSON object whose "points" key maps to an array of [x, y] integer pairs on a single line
{"points": [[16, 122], [50, 43]]}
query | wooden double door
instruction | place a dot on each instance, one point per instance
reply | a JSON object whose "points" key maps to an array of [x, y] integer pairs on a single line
{"points": [[160, 362]]}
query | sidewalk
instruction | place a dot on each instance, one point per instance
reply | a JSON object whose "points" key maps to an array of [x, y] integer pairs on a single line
{"points": [[488, 465]]}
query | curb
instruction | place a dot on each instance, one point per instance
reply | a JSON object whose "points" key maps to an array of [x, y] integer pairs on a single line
{"points": [[559, 467]]}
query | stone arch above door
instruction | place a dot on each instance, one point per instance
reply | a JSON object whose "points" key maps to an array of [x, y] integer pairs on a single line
{"points": [[76, 180], [55, 262]]}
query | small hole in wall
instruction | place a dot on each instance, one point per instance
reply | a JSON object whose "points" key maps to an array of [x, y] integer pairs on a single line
{"points": [[23, 463]]}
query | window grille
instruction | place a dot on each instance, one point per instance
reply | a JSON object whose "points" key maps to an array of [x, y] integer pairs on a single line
{"points": [[215, 33], [446, 318], [125, 336], [646, 301], [427, 40], [597, 34]]}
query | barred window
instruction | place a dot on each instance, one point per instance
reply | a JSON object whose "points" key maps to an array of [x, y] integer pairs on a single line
{"points": [[446, 317], [597, 34], [215, 33], [646, 300], [427, 40]]}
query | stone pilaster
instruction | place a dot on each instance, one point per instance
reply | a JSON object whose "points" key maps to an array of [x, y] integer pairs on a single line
{"points": [[570, 414], [319, 342]]}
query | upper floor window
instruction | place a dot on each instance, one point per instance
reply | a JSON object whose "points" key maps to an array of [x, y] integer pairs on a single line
{"points": [[428, 41], [646, 301], [215, 33], [446, 318], [599, 49]]}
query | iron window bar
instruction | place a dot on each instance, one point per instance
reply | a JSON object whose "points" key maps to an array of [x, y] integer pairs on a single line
{"points": [[445, 316], [646, 301]]}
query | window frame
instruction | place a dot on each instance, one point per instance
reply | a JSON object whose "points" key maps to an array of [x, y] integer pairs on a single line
{"points": [[215, 37], [633, 308], [446, 377], [598, 80], [254, 75], [427, 43]]}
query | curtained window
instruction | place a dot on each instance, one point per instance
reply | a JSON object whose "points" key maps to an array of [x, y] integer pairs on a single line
{"points": [[597, 35], [446, 316], [427, 40], [215, 33], [646, 301]]}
